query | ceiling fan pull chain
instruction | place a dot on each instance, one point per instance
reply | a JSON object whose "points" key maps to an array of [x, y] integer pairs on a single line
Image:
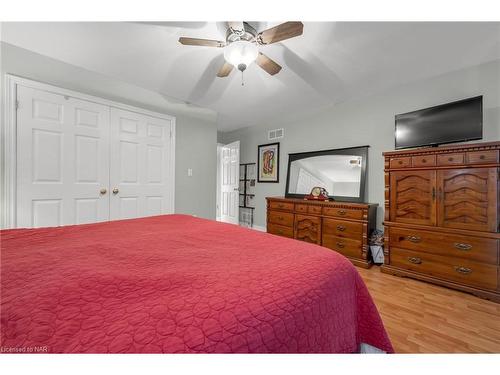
{"points": [[242, 83]]}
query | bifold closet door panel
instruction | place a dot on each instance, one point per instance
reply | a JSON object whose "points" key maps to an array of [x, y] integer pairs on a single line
{"points": [[139, 171], [62, 160]]}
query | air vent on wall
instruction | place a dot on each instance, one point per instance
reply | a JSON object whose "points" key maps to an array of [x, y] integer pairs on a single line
{"points": [[275, 134]]}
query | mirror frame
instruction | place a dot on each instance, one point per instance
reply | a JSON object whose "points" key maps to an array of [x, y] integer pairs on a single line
{"points": [[357, 151]]}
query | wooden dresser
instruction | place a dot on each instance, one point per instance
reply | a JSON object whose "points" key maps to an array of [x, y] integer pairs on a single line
{"points": [[442, 216], [340, 226]]}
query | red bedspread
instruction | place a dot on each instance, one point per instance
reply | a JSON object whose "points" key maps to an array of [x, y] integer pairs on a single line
{"points": [[179, 284]]}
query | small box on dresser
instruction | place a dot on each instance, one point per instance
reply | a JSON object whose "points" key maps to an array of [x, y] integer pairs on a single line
{"points": [[340, 226], [442, 216]]}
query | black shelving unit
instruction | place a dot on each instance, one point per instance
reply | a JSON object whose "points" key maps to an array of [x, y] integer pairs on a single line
{"points": [[245, 192]]}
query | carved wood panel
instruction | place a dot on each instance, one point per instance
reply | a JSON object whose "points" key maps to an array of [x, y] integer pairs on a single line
{"points": [[308, 228], [413, 197], [467, 198]]}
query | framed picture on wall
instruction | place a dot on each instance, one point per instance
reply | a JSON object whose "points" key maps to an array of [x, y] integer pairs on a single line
{"points": [[268, 163]]}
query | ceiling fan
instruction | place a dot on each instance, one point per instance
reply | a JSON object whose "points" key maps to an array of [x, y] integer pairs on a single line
{"points": [[241, 45]]}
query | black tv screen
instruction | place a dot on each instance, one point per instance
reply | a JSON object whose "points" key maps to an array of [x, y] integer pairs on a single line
{"points": [[452, 122]]}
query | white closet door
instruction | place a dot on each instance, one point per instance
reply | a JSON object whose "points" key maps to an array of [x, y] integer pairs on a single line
{"points": [[62, 160], [139, 173]]}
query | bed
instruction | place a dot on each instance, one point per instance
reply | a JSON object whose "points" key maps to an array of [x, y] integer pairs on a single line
{"points": [[179, 284]]}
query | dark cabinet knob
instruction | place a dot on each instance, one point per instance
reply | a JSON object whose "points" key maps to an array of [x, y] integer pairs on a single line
{"points": [[450, 159]]}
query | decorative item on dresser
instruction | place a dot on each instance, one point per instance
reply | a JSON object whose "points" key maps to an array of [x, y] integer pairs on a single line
{"points": [[340, 226], [442, 216]]}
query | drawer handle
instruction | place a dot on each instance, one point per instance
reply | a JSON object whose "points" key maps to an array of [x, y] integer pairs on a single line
{"points": [[400, 161], [415, 260], [341, 212], [463, 246], [424, 161], [482, 157], [340, 244], [341, 228], [281, 218], [281, 205], [450, 159], [414, 239], [463, 270]]}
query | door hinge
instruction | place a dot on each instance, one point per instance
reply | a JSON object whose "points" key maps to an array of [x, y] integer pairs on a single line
{"points": [[17, 105]]}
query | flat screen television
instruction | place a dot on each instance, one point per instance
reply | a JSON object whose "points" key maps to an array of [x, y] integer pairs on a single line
{"points": [[452, 122]]}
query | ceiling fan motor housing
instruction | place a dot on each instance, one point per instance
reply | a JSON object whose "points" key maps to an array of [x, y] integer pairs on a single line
{"points": [[248, 33]]}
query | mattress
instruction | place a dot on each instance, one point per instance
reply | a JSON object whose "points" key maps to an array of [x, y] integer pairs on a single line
{"points": [[179, 284]]}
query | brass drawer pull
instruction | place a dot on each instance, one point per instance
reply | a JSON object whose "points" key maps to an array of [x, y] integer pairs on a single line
{"points": [[463, 270], [424, 161], [400, 161], [415, 260], [414, 239], [341, 228], [463, 246], [341, 212], [340, 244], [281, 205], [450, 159]]}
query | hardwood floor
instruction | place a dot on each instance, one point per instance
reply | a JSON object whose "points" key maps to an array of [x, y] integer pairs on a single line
{"points": [[425, 318]]}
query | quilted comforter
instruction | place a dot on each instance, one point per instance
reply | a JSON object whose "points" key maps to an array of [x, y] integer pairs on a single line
{"points": [[179, 284]]}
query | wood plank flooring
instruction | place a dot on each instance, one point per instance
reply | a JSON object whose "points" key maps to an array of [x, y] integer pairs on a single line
{"points": [[425, 318]]}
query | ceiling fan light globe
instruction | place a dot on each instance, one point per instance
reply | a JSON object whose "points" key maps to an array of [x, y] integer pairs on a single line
{"points": [[241, 52]]}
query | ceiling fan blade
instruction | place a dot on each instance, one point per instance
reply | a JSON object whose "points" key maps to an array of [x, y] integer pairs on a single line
{"points": [[267, 64], [236, 26], [225, 70], [201, 42], [281, 32]]}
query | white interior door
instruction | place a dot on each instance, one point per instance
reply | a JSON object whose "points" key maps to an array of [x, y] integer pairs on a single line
{"points": [[140, 162], [230, 181], [62, 160]]}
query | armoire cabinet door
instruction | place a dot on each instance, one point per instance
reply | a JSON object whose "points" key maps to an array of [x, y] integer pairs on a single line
{"points": [[468, 199], [413, 197]]}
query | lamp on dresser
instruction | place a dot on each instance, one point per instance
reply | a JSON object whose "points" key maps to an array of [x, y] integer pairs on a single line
{"points": [[442, 216]]}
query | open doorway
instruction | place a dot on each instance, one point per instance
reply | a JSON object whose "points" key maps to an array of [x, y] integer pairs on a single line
{"points": [[228, 181]]}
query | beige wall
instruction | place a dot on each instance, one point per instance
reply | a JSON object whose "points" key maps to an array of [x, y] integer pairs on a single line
{"points": [[370, 121]]}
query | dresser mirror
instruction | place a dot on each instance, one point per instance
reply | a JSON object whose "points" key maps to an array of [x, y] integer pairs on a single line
{"points": [[342, 172]]}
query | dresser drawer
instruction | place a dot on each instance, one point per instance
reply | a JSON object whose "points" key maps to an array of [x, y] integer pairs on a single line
{"points": [[423, 161], [451, 159], [277, 205], [452, 269], [482, 157], [403, 162], [466, 247], [343, 212], [345, 246], [301, 208], [281, 218], [280, 230], [313, 209], [345, 229]]}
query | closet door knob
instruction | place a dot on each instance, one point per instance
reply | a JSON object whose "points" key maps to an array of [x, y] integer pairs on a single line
{"points": [[115, 191], [103, 191]]}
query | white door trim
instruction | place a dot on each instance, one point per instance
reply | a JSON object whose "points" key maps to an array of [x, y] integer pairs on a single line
{"points": [[8, 184]]}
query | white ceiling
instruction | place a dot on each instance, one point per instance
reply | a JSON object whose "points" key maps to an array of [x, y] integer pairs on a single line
{"points": [[331, 62]]}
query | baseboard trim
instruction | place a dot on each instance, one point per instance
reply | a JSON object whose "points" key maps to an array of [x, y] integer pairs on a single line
{"points": [[259, 228]]}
